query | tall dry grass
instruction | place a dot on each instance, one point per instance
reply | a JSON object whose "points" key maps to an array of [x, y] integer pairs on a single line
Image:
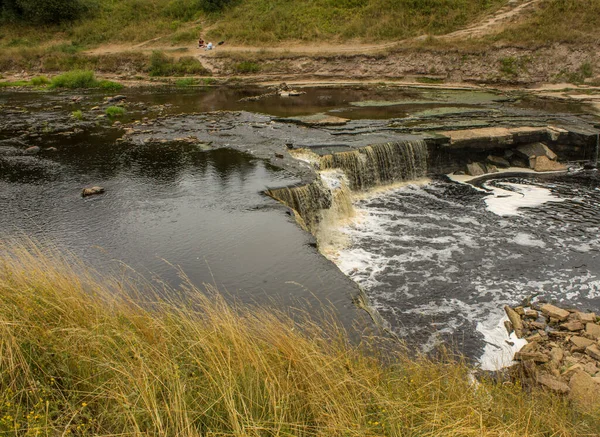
{"points": [[80, 355]]}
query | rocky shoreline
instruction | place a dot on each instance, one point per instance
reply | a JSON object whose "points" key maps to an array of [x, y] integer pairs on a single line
{"points": [[562, 352]]}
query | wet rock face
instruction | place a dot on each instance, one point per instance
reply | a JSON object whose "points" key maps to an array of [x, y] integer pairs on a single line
{"points": [[563, 350]]}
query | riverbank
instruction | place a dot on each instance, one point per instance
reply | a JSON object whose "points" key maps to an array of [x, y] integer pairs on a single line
{"points": [[87, 355]]}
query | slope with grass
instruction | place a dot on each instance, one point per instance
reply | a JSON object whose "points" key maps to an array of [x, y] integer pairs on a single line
{"points": [[83, 355]]}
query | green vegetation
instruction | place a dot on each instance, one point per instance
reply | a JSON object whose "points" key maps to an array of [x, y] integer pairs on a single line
{"points": [[75, 79], [188, 81], [82, 79], [17, 83], [77, 114], [40, 81], [89, 356], [115, 111], [247, 67], [267, 21], [557, 21], [585, 71], [163, 65]]}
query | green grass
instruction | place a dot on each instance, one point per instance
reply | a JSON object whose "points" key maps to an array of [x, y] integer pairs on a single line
{"points": [[115, 111], [17, 83], [77, 114], [40, 81], [79, 79], [267, 21], [74, 80], [90, 355], [188, 81], [557, 21]]}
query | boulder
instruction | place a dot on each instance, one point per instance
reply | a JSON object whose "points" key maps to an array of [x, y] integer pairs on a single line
{"points": [[491, 168], [581, 342], [553, 383], [475, 169], [531, 314], [572, 370], [543, 163], [593, 330], [515, 319], [584, 390], [92, 191], [555, 312], [498, 161], [591, 368], [586, 317], [573, 325], [33, 150], [593, 351], [115, 99], [535, 150], [537, 357]]}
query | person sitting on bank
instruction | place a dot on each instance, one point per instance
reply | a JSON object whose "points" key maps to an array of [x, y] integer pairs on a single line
{"points": [[201, 43], [209, 46]]}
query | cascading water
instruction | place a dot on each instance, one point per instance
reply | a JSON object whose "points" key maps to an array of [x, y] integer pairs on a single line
{"points": [[380, 164], [324, 203]]}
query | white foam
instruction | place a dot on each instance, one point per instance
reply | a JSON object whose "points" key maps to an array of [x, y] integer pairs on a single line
{"points": [[506, 202], [524, 239], [500, 348]]}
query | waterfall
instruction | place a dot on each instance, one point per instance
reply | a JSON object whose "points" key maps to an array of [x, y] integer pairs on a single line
{"points": [[321, 205], [380, 164]]}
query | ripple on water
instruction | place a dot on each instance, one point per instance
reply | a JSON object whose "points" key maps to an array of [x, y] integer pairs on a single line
{"points": [[439, 261]]}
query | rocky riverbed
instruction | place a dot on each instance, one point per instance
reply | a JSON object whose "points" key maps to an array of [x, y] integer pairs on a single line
{"points": [[562, 352]]}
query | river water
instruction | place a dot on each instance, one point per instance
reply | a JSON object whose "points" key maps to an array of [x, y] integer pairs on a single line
{"points": [[438, 259]]}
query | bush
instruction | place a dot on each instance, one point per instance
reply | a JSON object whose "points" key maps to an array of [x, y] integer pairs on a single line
{"points": [[247, 67], [190, 81], [75, 79], [44, 11], [40, 81], [115, 111], [77, 114], [163, 65], [108, 85]]}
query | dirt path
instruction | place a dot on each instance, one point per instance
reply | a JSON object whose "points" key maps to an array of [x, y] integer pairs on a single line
{"points": [[513, 11]]}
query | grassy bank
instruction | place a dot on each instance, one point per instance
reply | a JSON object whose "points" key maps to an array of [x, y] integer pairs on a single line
{"points": [[83, 357]]}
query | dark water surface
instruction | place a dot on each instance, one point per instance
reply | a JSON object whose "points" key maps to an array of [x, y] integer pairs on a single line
{"points": [[436, 262], [440, 260], [172, 205]]}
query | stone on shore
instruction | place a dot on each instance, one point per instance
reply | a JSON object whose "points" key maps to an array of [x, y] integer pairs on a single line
{"points": [[555, 312], [593, 330], [553, 383]]}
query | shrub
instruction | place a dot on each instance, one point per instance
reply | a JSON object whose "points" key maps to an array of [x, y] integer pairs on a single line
{"points": [[44, 11], [115, 111], [247, 67], [190, 81], [163, 65], [77, 114], [108, 85], [40, 81], [75, 79]]}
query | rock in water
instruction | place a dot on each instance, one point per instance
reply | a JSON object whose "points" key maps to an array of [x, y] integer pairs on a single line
{"points": [[33, 150], [515, 320], [91, 191], [498, 161], [542, 163], [116, 99], [475, 169]]}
